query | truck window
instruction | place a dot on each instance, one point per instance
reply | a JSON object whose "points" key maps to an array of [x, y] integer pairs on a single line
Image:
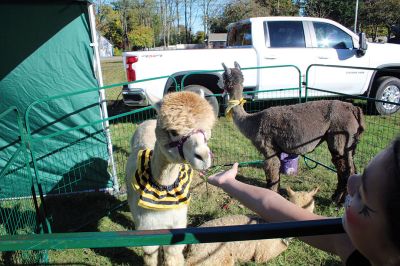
{"points": [[330, 36], [239, 35], [286, 34]]}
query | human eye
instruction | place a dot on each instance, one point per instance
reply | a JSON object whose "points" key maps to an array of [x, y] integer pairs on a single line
{"points": [[365, 211]]}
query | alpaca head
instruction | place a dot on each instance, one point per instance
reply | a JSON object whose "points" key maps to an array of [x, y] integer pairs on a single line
{"points": [[303, 199], [233, 81], [184, 124]]}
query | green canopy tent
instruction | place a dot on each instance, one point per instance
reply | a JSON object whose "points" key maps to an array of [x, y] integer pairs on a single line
{"points": [[49, 49]]}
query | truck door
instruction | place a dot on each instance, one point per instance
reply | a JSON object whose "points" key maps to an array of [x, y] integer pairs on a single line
{"points": [[334, 46], [286, 43]]}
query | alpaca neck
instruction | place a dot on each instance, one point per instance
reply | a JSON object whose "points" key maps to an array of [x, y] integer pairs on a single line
{"points": [[163, 171], [246, 123]]}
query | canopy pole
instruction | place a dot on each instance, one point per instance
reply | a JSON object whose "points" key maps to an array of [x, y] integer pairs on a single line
{"points": [[103, 102]]}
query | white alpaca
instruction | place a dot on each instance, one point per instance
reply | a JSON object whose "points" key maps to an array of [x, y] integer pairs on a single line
{"points": [[158, 187], [259, 251]]}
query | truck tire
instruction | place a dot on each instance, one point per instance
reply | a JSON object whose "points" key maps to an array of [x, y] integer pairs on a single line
{"points": [[387, 89], [212, 100]]}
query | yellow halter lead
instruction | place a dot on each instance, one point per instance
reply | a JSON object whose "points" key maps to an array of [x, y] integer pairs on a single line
{"points": [[231, 104]]}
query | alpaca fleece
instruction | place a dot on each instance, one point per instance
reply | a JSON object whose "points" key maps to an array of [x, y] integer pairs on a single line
{"points": [[185, 111], [259, 251]]}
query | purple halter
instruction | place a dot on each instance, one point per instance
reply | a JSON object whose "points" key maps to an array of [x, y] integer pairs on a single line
{"points": [[179, 143]]}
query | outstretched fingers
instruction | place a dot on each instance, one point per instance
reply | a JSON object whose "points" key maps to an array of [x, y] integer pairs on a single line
{"points": [[223, 177]]}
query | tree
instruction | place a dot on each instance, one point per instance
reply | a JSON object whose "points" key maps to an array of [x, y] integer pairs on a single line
{"points": [[199, 37], [279, 7], [377, 17], [337, 10], [141, 37], [123, 7], [190, 14], [235, 11], [109, 25], [209, 8]]}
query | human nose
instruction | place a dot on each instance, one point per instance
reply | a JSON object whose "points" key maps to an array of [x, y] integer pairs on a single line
{"points": [[353, 183]]}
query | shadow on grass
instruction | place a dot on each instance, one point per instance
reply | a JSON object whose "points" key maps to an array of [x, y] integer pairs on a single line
{"points": [[252, 181], [84, 212], [331, 262], [116, 107]]}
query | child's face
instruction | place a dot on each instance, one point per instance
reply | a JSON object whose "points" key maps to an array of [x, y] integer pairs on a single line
{"points": [[364, 218]]}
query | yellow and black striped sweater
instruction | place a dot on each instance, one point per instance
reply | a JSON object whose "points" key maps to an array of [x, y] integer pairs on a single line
{"points": [[158, 197]]}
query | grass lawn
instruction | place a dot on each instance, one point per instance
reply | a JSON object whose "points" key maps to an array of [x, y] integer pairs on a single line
{"points": [[90, 212]]}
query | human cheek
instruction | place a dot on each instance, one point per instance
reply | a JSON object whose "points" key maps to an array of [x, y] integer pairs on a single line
{"points": [[352, 217]]}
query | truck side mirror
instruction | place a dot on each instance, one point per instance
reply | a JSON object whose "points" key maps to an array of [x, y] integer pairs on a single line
{"points": [[362, 44]]}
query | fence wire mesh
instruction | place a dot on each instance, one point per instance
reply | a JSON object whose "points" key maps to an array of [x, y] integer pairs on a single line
{"points": [[59, 166], [18, 211]]}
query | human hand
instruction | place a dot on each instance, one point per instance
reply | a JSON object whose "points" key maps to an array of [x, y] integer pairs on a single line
{"points": [[223, 177]]}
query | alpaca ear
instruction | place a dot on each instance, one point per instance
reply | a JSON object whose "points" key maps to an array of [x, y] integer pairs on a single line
{"points": [[227, 70], [154, 101], [237, 66], [201, 93], [314, 191], [290, 191]]}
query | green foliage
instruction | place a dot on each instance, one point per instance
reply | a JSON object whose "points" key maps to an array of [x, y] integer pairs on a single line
{"points": [[199, 37], [377, 17], [141, 37], [117, 51], [337, 10], [109, 25], [235, 11]]}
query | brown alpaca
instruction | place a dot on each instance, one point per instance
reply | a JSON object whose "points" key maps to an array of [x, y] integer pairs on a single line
{"points": [[259, 251], [298, 129], [158, 170]]}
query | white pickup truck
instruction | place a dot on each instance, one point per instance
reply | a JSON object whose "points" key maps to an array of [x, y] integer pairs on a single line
{"points": [[259, 43]]}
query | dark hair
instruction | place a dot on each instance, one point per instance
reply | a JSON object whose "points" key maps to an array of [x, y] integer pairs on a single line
{"points": [[393, 200]]}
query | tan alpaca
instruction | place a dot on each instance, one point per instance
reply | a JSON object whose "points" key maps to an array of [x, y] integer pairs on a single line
{"points": [[242, 251], [297, 129], [159, 168]]}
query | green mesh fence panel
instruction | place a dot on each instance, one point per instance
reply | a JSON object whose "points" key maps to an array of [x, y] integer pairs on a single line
{"points": [[17, 208], [70, 153], [227, 143]]}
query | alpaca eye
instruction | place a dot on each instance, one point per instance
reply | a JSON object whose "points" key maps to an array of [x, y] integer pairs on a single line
{"points": [[173, 132]]}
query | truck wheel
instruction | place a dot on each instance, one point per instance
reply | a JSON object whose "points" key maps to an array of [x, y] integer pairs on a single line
{"points": [[212, 100], [388, 89]]}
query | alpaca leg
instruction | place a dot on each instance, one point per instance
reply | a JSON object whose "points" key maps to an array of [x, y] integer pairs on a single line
{"points": [[151, 255], [173, 255], [271, 168], [347, 169], [344, 165], [342, 175], [342, 158]]}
